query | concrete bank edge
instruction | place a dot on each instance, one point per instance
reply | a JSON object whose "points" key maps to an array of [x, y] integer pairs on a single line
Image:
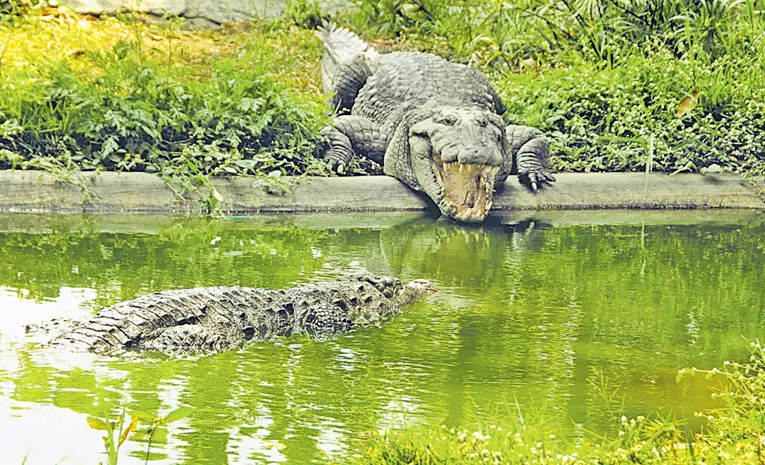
{"points": [[37, 192]]}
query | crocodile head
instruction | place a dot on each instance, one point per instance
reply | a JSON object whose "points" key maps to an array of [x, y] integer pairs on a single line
{"points": [[414, 290], [362, 299], [456, 156]]}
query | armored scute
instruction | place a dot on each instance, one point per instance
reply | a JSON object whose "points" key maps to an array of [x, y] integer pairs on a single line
{"points": [[214, 319]]}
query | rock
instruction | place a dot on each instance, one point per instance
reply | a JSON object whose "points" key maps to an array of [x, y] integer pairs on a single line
{"points": [[198, 12], [219, 12], [110, 7]]}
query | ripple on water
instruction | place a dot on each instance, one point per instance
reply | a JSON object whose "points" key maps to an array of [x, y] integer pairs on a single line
{"points": [[531, 315]]}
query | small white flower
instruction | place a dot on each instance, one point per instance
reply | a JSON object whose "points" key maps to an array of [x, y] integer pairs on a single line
{"points": [[480, 436]]}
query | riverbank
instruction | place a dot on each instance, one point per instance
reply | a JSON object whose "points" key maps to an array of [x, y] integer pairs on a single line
{"points": [[79, 92], [38, 192]]}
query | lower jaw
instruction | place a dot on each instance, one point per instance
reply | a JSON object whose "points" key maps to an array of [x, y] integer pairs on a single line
{"points": [[462, 214]]}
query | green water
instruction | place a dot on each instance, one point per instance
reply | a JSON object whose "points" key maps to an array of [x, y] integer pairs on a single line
{"points": [[527, 310]]}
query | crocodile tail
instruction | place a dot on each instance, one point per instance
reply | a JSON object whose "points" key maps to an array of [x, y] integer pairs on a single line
{"points": [[134, 323], [340, 45]]}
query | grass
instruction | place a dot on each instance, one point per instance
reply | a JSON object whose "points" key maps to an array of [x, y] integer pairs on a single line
{"points": [[123, 94], [732, 434], [602, 78]]}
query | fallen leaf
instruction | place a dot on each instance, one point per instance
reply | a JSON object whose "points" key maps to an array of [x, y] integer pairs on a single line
{"points": [[530, 64], [687, 103]]}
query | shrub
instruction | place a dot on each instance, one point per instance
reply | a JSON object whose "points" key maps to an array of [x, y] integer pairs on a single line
{"points": [[127, 104]]}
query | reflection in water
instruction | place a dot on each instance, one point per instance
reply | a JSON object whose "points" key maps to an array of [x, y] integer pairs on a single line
{"points": [[526, 311]]}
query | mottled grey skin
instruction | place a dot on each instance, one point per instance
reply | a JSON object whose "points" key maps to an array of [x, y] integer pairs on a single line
{"points": [[434, 125], [214, 319]]}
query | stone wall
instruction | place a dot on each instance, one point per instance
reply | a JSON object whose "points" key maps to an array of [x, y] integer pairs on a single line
{"points": [[204, 13]]}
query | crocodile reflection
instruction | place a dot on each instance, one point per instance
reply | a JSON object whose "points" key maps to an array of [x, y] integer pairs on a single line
{"points": [[525, 309]]}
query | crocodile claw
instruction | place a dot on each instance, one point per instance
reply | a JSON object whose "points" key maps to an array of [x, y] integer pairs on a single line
{"points": [[535, 179]]}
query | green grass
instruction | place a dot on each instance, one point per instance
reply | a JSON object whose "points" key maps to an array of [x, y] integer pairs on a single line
{"points": [[732, 434], [603, 78], [78, 94]]}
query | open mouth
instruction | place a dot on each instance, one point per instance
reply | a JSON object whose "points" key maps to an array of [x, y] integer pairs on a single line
{"points": [[467, 188]]}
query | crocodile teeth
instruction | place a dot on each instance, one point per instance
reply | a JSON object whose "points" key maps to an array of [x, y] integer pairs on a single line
{"points": [[467, 188]]}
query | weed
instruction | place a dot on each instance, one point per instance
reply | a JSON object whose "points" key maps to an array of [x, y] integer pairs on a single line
{"points": [[731, 435], [117, 432], [136, 109]]}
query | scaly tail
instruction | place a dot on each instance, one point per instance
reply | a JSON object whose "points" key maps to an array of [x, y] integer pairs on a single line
{"points": [[340, 45]]}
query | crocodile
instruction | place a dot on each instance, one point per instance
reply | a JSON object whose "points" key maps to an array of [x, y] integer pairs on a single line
{"points": [[434, 125], [214, 319]]}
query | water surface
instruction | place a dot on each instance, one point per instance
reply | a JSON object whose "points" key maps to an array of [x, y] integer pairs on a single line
{"points": [[527, 309]]}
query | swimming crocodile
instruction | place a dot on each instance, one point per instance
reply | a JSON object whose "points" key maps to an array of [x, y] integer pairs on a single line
{"points": [[434, 125], [214, 319]]}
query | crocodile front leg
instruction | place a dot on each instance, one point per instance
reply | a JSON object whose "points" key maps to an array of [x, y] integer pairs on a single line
{"points": [[348, 79], [352, 135], [530, 150]]}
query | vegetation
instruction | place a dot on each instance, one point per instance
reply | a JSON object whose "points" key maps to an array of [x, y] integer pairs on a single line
{"points": [[607, 79], [731, 435], [122, 94], [117, 432]]}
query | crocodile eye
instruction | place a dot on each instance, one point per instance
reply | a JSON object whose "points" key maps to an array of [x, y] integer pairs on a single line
{"points": [[483, 122], [447, 120]]}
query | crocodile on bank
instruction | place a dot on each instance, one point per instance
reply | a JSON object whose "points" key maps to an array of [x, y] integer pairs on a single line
{"points": [[434, 125], [214, 319]]}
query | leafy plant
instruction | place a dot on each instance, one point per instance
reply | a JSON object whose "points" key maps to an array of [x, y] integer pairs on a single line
{"points": [[132, 112], [117, 432]]}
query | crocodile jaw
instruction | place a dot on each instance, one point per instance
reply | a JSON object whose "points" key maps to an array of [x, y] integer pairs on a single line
{"points": [[415, 290], [466, 189]]}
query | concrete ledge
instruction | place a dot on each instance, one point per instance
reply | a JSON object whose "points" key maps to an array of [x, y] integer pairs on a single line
{"points": [[29, 191]]}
